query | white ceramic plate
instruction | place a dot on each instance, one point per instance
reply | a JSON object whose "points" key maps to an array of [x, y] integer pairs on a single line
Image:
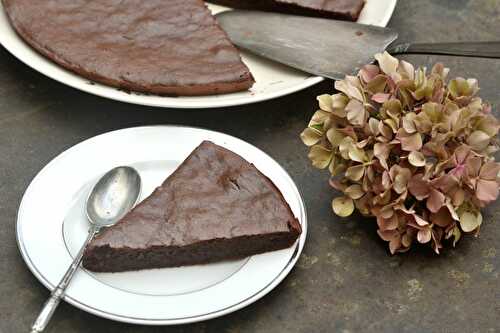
{"points": [[51, 226], [272, 79]]}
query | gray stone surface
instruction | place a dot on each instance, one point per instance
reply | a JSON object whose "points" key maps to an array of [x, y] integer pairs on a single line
{"points": [[345, 281]]}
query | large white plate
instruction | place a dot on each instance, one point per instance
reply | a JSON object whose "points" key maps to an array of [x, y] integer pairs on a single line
{"points": [[51, 226], [272, 79]]}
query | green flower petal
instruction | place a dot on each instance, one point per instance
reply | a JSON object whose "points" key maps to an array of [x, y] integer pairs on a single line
{"points": [[354, 191], [356, 154], [343, 206], [478, 140], [310, 136], [388, 64], [470, 222], [335, 137], [416, 158], [325, 102], [320, 156], [355, 173]]}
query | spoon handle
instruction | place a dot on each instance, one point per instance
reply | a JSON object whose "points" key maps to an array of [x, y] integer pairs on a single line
{"points": [[56, 295]]}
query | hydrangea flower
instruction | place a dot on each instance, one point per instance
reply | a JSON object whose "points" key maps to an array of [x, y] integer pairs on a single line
{"points": [[409, 148]]}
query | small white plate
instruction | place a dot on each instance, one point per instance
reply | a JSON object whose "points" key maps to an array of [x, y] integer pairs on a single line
{"points": [[51, 226], [272, 79]]}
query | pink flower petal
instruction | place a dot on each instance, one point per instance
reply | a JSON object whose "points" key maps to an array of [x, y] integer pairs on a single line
{"points": [[402, 208], [386, 180], [395, 245], [444, 183], [489, 171], [387, 224], [409, 142], [381, 151], [356, 113], [418, 187], [486, 190], [435, 200], [420, 221], [458, 197], [388, 235], [369, 72], [380, 97], [437, 235], [387, 212], [473, 166], [348, 131], [424, 235], [461, 154], [348, 88], [442, 218], [458, 171], [392, 85]]}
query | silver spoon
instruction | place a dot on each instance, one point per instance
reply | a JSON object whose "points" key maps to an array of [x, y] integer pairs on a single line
{"points": [[110, 199]]}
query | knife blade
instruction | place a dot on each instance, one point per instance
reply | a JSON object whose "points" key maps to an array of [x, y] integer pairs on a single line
{"points": [[327, 47], [318, 46]]}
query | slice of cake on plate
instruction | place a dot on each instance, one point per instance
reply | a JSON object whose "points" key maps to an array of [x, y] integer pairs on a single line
{"points": [[216, 206]]}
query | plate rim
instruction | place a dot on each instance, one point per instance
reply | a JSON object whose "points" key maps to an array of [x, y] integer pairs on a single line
{"points": [[167, 102], [172, 321]]}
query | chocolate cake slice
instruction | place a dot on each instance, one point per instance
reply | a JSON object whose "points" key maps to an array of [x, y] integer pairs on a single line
{"points": [[215, 206], [166, 47], [336, 9]]}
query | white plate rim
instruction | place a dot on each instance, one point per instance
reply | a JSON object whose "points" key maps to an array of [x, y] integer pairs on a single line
{"points": [[177, 321], [104, 91]]}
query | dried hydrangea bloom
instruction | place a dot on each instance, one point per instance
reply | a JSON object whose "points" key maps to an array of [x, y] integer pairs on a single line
{"points": [[408, 148]]}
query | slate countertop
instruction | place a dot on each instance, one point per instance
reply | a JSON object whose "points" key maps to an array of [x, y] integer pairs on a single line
{"points": [[345, 280]]}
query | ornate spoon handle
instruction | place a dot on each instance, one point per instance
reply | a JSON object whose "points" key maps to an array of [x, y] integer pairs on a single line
{"points": [[55, 297]]}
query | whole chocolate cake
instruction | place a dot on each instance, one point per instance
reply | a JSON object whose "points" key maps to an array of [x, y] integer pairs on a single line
{"points": [[171, 47], [215, 206], [336, 9]]}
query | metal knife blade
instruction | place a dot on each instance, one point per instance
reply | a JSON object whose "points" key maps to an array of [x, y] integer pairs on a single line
{"points": [[322, 47]]}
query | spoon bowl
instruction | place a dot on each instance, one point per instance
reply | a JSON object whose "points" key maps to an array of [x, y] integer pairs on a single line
{"points": [[113, 196]]}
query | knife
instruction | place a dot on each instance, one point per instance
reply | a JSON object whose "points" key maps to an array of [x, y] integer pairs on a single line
{"points": [[326, 47]]}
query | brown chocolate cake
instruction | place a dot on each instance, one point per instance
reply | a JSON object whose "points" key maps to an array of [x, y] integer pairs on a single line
{"points": [[171, 47], [215, 206], [336, 9]]}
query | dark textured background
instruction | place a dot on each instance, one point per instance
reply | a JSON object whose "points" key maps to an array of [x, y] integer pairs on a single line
{"points": [[345, 280]]}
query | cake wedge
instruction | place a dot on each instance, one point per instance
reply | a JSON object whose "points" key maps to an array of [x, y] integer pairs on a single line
{"points": [[334, 9], [215, 206], [163, 47]]}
